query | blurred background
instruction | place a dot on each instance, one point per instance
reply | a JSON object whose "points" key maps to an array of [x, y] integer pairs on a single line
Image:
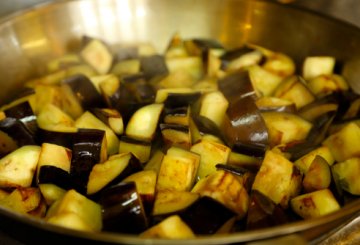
{"points": [[347, 10]]}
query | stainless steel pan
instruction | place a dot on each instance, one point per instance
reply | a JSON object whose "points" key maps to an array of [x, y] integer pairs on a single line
{"points": [[30, 38]]}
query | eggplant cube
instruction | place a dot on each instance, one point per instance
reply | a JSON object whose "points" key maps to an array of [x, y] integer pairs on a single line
{"points": [[206, 215], [214, 106], [278, 179], [75, 207], [167, 202], [344, 144], [22, 200], [123, 209], [178, 170], [305, 161], [171, 228], [227, 189], [17, 169], [315, 204], [211, 153], [347, 174]]}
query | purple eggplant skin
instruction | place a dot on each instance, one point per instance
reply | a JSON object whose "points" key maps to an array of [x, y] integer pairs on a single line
{"points": [[122, 209], [206, 215], [53, 175], [245, 129], [175, 100], [207, 126], [140, 88], [85, 91], [59, 138], [153, 66], [264, 213], [25, 114], [18, 131], [233, 54], [236, 85], [126, 53], [86, 152]]}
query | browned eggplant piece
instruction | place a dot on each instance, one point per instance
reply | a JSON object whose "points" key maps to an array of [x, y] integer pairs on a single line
{"points": [[178, 115], [25, 114], [236, 85], [111, 117], [206, 215], [176, 135], [240, 58], [18, 131], [140, 149], [316, 135], [245, 129], [153, 66], [89, 148], [174, 100], [137, 85], [84, 90], [275, 104], [207, 126], [59, 138], [123, 209], [53, 175], [263, 212], [198, 46]]}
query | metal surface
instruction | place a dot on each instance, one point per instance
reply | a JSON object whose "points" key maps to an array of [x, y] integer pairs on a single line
{"points": [[28, 40]]}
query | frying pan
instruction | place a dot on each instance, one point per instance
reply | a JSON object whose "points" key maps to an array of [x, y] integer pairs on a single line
{"points": [[30, 38]]}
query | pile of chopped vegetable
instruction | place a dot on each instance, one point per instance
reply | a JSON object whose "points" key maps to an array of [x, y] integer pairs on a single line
{"points": [[198, 140]]}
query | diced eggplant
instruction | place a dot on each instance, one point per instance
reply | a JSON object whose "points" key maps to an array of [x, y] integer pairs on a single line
{"points": [[236, 85], [22, 200], [112, 171], [51, 193], [263, 212], [126, 53], [62, 62], [263, 81], [168, 202], [97, 55], [305, 161], [155, 161], [17, 131], [278, 179], [140, 149], [214, 106], [89, 148], [52, 118], [176, 79], [176, 135], [314, 204], [178, 170], [346, 175], [178, 115], [54, 155], [227, 189], [245, 129], [312, 111], [89, 121], [325, 84], [126, 67], [193, 65], [83, 90], [122, 209], [17, 169], [295, 89], [145, 181], [197, 46], [318, 176], [153, 66], [211, 153], [206, 216], [275, 104], [171, 228], [46, 94], [314, 66], [344, 144], [111, 117], [279, 64], [245, 161], [49, 174], [75, 211], [284, 128], [240, 58], [142, 91], [176, 100], [25, 114], [143, 123]]}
